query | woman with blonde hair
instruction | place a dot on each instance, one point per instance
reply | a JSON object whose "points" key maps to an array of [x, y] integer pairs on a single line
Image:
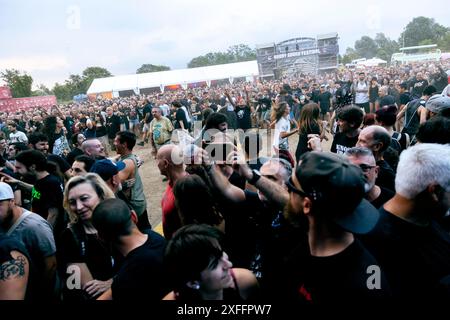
{"points": [[308, 124], [81, 248]]}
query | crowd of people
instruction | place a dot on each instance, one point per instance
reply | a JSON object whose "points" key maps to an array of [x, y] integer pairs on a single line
{"points": [[368, 220]]}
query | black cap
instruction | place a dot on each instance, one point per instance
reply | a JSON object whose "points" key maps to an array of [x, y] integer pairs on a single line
{"points": [[330, 178]]}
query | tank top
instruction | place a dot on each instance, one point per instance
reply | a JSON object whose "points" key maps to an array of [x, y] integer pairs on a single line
{"points": [[137, 198]]}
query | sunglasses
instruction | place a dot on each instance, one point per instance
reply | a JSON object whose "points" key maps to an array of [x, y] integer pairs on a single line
{"points": [[292, 188], [366, 167]]}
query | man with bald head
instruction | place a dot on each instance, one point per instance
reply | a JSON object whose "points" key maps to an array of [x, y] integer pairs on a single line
{"points": [[378, 139], [170, 164], [93, 148]]}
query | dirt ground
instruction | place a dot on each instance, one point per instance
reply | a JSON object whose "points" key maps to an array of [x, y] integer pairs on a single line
{"points": [[153, 181]]}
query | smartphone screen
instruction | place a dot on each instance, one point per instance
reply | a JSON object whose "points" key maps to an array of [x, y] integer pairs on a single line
{"points": [[219, 151]]}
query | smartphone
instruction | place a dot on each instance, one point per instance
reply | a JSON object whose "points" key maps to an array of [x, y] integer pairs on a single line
{"points": [[219, 152]]}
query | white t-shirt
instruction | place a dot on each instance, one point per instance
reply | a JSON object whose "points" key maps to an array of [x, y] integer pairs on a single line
{"points": [[282, 125], [361, 97], [18, 136]]}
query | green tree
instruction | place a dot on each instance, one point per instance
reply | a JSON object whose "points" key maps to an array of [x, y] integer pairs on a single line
{"points": [[19, 83], [241, 52], [91, 73], [42, 90], [237, 53], [151, 68], [350, 55], [386, 46], [62, 92], [366, 47], [444, 43], [420, 29]]}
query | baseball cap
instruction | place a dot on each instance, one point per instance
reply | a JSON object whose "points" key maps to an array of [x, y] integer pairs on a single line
{"points": [[438, 103], [106, 169], [330, 178], [6, 192]]}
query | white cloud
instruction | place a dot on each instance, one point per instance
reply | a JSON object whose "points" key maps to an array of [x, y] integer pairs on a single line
{"points": [[34, 63], [130, 33]]}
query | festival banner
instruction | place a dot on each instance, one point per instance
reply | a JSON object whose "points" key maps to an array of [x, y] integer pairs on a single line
{"points": [[25, 104]]}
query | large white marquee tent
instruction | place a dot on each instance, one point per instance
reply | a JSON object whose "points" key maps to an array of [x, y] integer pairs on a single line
{"points": [[182, 77]]}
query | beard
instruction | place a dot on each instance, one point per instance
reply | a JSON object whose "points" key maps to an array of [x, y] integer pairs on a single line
{"points": [[368, 186], [295, 217]]}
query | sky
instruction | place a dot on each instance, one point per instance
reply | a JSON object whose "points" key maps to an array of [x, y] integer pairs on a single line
{"points": [[51, 39]]}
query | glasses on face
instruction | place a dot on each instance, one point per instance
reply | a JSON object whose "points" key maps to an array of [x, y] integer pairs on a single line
{"points": [[292, 188], [365, 167]]}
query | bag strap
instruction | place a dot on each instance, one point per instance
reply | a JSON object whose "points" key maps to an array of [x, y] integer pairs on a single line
{"points": [[79, 238]]}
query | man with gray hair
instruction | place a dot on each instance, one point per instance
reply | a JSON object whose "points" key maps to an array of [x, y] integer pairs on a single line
{"points": [[411, 246]]}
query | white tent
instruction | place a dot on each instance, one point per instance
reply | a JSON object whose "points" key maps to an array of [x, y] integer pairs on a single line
{"points": [[174, 77], [372, 62]]}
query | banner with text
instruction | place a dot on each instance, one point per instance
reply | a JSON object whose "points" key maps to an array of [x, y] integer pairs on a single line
{"points": [[25, 104]]}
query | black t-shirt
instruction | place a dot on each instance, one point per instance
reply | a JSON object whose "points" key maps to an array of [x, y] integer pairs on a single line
{"points": [[414, 258], [79, 247], [48, 193], [405, 97], [112, 126], [265, 104], [147, 110], [141, 276], [243, 117], [302, 146], [386, 176], [384, 196], [373, 93], [324, 99], [340, 278], [342, 142], [181, 116], [418, 87]]}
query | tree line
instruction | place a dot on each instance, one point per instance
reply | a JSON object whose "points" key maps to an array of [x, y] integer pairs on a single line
{"points": [[420, 31]]}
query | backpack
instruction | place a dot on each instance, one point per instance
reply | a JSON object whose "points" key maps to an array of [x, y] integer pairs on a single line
{"points": [[395, 141]]}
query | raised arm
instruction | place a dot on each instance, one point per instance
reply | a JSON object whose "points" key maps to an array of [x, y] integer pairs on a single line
{"points": [[221, 183]]}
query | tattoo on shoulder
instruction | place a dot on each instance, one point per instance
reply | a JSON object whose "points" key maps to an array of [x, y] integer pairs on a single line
{"points": [[14, 268]]}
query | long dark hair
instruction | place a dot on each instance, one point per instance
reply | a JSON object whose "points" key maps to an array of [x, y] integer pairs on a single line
{"points": [[308, 117], [203, 211], [278, 111]]}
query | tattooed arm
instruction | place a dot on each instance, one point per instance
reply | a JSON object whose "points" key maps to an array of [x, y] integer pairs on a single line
{"points": [[14, 277]]}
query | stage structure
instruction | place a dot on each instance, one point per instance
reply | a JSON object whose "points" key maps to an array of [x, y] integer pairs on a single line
{"points": [[299, 55]]}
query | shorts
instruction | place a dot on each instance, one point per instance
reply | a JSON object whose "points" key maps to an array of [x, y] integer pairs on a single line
{"points": [[146, 127], [324, 110]]}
